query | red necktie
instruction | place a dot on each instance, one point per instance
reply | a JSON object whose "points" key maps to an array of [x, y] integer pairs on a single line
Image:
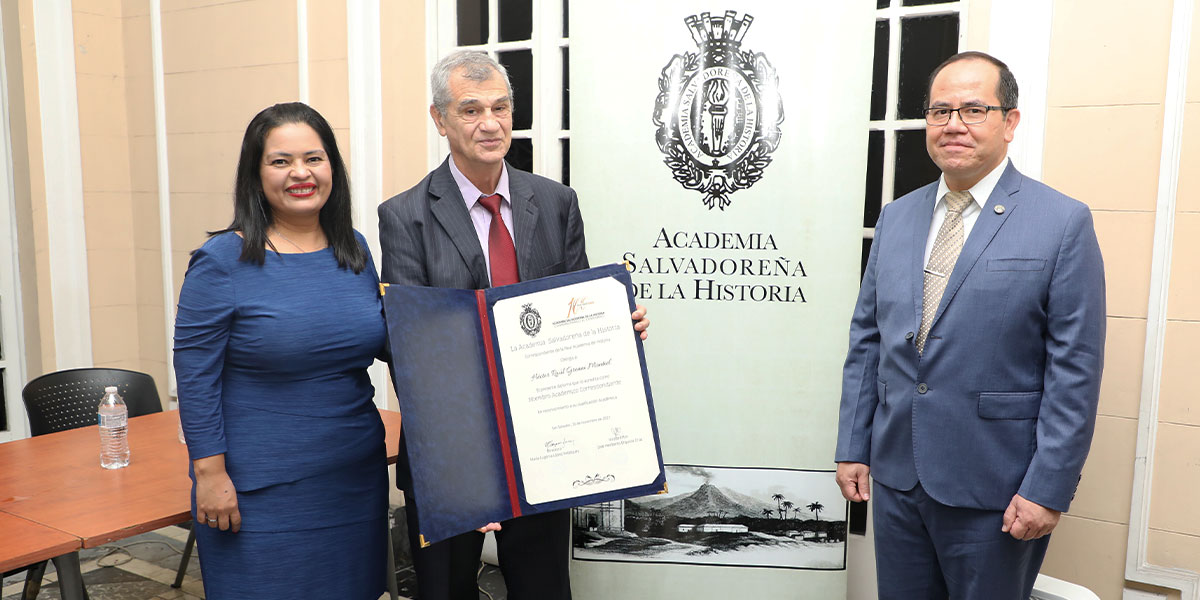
{"points": [[501, 253]]}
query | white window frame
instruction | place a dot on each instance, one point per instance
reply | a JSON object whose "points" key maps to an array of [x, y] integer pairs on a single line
{"points": [[890, 124], [546, 43], [12, 360]]}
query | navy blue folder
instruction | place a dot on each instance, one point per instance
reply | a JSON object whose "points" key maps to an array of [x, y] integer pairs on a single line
{"points": [[457, 424]]}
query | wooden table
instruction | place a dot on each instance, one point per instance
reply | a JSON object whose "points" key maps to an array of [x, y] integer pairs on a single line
{"points": [[26, 542], [53, 490]]}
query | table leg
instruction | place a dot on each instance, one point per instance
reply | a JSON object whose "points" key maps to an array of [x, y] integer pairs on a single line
{"points": [[393, 592], [70, 578]]}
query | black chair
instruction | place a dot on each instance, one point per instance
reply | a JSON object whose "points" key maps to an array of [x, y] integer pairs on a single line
{"points": [[68, 399]]}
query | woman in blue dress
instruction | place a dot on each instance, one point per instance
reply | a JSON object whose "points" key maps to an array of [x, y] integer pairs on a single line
{"points": [[279, 318]]}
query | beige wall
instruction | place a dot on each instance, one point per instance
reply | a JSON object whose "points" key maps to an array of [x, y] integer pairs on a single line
{"points": [[1103, 145], [112, 70], [222, 62], [226, 60]]}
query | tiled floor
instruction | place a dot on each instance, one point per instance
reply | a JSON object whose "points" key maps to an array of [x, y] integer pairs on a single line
{"points": [[144, 567]]}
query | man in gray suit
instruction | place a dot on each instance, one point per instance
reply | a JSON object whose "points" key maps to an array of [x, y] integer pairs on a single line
{"points": [[472, 223], [969, 393]]}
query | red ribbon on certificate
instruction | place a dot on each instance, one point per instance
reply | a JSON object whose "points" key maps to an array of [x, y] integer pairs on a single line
{"points": [[498, 403]]}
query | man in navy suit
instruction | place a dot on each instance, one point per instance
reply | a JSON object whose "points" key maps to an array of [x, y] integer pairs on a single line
{"points": [[970, 389], [472, 223]]}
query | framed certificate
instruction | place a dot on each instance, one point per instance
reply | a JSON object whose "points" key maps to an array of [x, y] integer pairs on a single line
{"points": [[522, 399]]}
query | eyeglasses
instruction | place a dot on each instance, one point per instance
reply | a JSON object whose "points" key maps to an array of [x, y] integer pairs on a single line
{"points": [[971, 114]]}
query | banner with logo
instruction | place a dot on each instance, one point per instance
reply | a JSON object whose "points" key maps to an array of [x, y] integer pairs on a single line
{"points": [[721, 151]]}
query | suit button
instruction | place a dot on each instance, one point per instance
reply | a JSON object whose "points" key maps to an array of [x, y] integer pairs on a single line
{"points": [[922, 388], [908, 336]]}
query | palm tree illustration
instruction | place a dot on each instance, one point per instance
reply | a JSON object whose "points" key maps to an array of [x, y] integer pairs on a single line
{"points": [[767, 512], [778, 498], [816, 508], [787, 505]]}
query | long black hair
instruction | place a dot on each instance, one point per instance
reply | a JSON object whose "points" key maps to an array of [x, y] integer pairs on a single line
{"points": [[252, 213]]}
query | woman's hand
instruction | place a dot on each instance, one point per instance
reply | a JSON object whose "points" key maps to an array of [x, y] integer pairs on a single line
{"points": [[216, 499]]}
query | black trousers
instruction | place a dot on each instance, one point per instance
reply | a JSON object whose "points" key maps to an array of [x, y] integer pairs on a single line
{"points": [[533, 552]]}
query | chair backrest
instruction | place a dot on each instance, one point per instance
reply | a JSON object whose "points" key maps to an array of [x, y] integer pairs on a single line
{"points": [[68, 399]]}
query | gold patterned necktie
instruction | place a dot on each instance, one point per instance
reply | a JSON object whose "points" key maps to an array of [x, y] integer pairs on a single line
{"points": [[946, 248]]}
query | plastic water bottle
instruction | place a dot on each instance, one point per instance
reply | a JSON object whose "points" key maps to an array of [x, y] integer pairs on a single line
{"points": [[114, 422]]}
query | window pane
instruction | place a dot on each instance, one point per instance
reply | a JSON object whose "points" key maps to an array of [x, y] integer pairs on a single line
{"points": [[913, 165], [924, 43], [566, 105], [865, 255], [520, 154], [516, 19], [472, 22], [566, 14], [3, 404], [566, 162], [874, 200], [883, 3], [924, 2], [520, 71], [879, 72]]}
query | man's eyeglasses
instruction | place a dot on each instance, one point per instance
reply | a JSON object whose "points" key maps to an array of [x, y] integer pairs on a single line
{"points": [[971, 114]]}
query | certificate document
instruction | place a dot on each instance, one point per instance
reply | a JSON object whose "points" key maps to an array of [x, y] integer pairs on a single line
{"points": [[576, 394], [521, 399]]}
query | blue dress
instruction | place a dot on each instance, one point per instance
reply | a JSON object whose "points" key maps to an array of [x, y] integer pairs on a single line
{"points": [[271, 363]]}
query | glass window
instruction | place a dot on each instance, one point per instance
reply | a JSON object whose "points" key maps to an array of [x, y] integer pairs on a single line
{"points": [[897, 162], [520, 154], [566, 95], [879, 71], [472, 22], [520, 72], [914, 168], [537, 60], [3, 404], [566, 162], [516, 20], [924, 43], [866, 254], [872, 206]]}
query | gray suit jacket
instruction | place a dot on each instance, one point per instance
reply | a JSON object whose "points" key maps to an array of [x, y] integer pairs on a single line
{"points": [[427, 237], [1004, 398]]}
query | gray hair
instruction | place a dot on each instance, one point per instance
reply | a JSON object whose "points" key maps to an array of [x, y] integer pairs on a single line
{"points": [[477, 66]]}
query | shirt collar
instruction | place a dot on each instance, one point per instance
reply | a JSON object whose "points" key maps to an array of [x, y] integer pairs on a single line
{"points": [[981, 191], [470, 193]]}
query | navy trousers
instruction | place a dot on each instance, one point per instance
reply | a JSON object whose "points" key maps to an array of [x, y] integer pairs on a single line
{"points": [[927, 550]]}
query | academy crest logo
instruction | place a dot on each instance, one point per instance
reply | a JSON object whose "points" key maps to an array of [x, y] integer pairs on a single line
{"points": [[718, 110], [531, 320]]}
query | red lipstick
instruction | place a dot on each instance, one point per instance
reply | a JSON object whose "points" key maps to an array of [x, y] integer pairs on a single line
{"points": [[301, 190]]}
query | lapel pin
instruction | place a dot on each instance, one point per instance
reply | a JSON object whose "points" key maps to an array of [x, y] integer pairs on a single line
{"points": [[999, 209]]}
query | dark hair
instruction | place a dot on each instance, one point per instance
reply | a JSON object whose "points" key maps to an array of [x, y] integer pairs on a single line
{"points": [[1006, 88], [251, 211]]}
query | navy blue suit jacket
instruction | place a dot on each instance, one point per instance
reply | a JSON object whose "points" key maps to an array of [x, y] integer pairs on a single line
{"points": [[1003, 400]]}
